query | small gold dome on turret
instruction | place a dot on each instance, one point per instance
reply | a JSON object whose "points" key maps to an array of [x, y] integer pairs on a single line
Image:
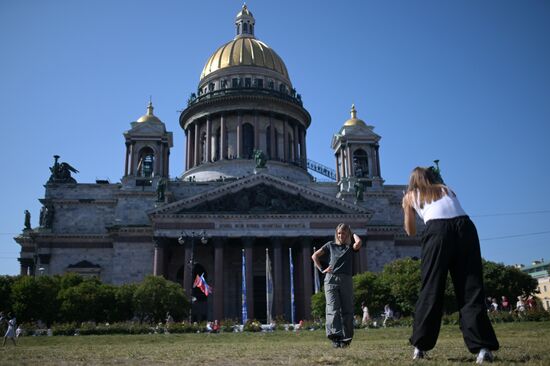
{"points": [[354, 121], [149, 116]]}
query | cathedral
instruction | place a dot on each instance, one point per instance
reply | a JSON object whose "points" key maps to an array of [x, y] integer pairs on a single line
{"points": [[246, 194]]}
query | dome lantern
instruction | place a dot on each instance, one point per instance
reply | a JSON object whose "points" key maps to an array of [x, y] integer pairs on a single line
{"points": [[245, 23]]}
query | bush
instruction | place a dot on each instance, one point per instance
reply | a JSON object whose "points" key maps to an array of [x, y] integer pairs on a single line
{"points": [[369, 288], [90, 300], [66, 329], [252, 326], [318, 306], [35, 298], [156, 296], [185, 327], [228, 325]]}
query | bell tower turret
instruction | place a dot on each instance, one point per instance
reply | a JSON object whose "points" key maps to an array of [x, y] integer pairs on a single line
{"points": [[147, 149], [356, 152]]}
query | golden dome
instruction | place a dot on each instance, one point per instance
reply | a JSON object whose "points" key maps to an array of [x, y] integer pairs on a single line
{"points": [[245, 51], [149, 116], [354, 121]]}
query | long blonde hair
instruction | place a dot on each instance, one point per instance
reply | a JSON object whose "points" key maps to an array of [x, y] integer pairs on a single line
{"points": [[424, 181], [346, 229]]}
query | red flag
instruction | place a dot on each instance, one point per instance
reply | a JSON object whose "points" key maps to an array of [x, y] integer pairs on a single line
{"points": [[197, 282], [200, 282]]}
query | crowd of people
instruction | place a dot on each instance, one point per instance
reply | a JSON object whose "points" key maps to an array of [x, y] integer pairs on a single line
{"points": [[523, 304]]}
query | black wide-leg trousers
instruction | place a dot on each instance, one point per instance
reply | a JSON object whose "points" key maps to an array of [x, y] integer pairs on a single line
{"points": [[452, 245]]}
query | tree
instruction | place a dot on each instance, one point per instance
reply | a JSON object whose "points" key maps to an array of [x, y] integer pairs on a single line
{"points": [[124, 298], [502, 280], [90, 300], [402, 278], [318, 305], [369, 288], [6, 283], [156, 296], [35, 298]]}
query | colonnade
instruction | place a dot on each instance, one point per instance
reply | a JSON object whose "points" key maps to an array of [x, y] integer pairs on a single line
{"points": [[201, 138], [302, 248]]}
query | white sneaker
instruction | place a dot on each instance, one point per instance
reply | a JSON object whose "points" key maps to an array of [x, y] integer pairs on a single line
{"points": [[484, 355], [418, 354]]}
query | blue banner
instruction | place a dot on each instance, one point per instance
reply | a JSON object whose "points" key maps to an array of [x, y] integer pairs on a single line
{"points": [[292, 304], [244, 307], [268, 288]]}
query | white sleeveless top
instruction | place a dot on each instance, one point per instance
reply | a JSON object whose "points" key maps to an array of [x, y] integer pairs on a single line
{"points": [[447, 207]]}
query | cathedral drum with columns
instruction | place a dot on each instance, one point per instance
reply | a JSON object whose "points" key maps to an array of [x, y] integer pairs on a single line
{"points": [[245, 194]]}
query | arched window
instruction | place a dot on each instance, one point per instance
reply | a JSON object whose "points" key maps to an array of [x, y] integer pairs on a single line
{"points": [[245, 28], [146, 162], [360, 163], [248, 140]]}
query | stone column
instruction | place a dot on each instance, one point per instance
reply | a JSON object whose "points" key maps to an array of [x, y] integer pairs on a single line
{"points": [[296, 137], [378, 172], [223, 141], [25, 265], [337, 169], [167, 161], [371, 160], [256, 130], [158, 160], [307, 275], [249, 257], [196, 144], [351, 170], [272, 138], [218, 279], [133, 164], [187, 150], [127, 158], [278, 284], [239, 135], [304, 133], [158, 264], [343, 160], [285, 141], [208, 147]]}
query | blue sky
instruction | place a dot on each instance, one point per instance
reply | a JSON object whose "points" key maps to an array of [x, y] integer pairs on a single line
{"points": [[466, 82]]}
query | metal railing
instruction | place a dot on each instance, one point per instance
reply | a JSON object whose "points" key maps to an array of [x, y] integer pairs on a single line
{"points": [[321, 169]]}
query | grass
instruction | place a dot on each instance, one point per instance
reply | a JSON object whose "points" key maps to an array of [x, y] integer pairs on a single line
{"points": [[521, 343]]}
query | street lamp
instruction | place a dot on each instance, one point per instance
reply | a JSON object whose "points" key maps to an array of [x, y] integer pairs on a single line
{"points": [[191, 264]]}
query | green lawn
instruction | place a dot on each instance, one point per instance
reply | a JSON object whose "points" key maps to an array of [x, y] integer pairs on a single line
{"points": [[521, 343]]}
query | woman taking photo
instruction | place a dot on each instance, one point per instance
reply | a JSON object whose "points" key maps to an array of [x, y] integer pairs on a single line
{"points": [[449, 244]]}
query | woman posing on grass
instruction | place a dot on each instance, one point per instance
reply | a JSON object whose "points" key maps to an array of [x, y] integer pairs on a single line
{"points": [[449, 243], [339, 284]]}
